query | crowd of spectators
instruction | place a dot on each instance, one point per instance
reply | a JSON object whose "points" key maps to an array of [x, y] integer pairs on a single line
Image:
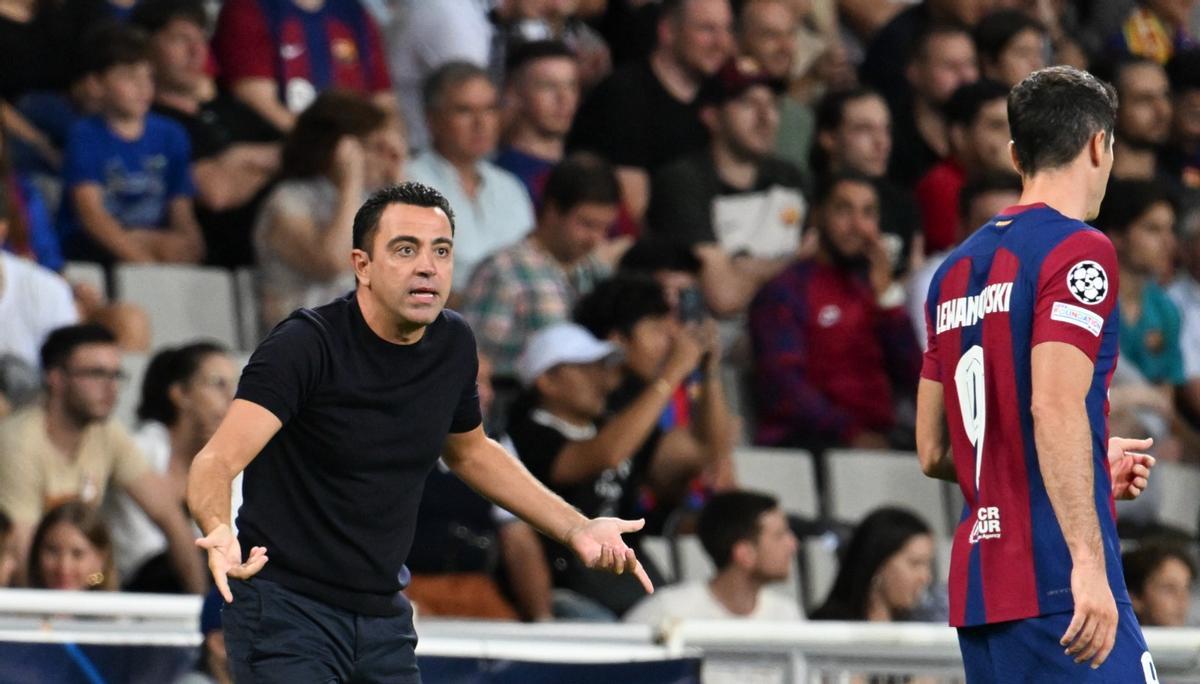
{"points": [[661, 206]]}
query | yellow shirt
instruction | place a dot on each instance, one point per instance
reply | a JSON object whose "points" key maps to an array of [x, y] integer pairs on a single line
{"points": [[35, 475]]}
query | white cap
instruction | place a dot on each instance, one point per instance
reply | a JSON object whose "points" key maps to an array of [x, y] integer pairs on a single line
{"points": [[561, 343]]}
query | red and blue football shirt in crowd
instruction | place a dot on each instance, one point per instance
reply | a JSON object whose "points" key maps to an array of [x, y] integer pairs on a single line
{"points": [[1030, 275], [304, 52]]}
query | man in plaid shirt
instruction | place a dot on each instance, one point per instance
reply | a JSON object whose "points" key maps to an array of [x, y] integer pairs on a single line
{"points": [[522, 288]]}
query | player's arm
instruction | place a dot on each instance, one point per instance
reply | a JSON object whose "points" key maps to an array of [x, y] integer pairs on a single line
{"points": [[933, 442], [484, 465], [243, 433], [1061, 377]]}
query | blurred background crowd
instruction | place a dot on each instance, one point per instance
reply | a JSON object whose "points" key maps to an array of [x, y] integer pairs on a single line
{"points": [[683, 228]]}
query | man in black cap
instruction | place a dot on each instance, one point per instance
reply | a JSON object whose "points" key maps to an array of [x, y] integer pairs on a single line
{"points": [[737, 206]]}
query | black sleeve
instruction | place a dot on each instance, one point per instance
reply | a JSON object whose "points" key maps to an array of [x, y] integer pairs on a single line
{"points": [[680, 208], [537, 446], [467, 415], [285, 369]]}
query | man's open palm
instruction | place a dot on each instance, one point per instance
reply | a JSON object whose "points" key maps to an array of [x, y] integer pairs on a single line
{"points": [[225, 558], [599, 545]]}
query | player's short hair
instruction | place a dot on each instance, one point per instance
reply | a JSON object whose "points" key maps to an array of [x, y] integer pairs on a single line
{"points": [[169, 367], [153, 16], [729, 518], [1148, 557], [996, 30], [63, 342], [619, 303], [447, 77], [1126, 200], [581, 178], [366, 220], [880, 535], [969, 99], [109, 45], [1053, 114], [981, 184], [529, 52], [652, 254]]}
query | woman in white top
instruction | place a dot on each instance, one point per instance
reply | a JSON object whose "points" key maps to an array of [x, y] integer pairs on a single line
{"points": [[342, 148], [185, 394]]}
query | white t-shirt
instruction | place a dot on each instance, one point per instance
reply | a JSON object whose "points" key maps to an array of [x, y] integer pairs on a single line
{"points": [[33, 301], [694, 601], [136, 539], [1185, 292]]}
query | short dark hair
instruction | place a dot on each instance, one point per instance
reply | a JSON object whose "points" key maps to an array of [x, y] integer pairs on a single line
{"points": [[168, 367], [533, 50], [880, 535], [1126, 200], [366, 221], [831, 114], [1143, 561], [619, 303], [1054, 112], [63, 342], [581, 178], [1110, 68], [830, 182], [729, 518], [447, 76], [969, 99], [996, 30], [932, 31], [153, 16], [109, 45], [309, 148], [651, 254], [981, 184]]}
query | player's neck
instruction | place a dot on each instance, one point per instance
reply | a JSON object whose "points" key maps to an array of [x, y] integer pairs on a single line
{"points": [[1058, 190]]}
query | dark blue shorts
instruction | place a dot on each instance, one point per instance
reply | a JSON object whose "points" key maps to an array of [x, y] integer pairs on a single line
{"points": [[273, 634], [1028, 651]]}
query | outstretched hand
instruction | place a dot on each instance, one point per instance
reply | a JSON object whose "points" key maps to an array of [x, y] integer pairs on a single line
{"points": [[225, 558], [1130, 470], [598, 544]]}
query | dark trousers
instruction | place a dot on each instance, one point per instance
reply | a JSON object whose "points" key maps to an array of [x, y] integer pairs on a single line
{"points": [[273, 634]]}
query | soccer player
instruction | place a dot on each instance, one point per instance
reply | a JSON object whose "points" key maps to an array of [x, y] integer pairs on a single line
{"points": [[339, 416], [1022, 327]]}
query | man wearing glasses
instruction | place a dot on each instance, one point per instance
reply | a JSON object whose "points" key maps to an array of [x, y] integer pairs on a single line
{"points": [[68, 447]]}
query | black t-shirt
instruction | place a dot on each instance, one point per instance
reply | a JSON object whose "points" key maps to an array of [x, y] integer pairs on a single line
{"points": [[633, 121], [334, 495], [911, 156], [220, 124], [682, 195]]}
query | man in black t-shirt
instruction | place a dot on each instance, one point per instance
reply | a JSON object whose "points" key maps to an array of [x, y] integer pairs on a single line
{"points": [[235, 152], [739, 207], [645, 114], [339, 416]]}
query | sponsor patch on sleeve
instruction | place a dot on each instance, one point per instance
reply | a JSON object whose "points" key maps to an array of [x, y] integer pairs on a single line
{"points": [[1077, 315]]}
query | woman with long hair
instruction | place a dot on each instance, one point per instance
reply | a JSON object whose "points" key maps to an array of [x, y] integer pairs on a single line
{"points": [[72, 551]]}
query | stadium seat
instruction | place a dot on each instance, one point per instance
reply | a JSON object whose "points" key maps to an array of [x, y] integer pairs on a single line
{"points": [[134, 366], [184, 303], [820, 569], [787, 474], [863, 480], [249, 323], [86, 273], [693, 564], [657, 550], [1180, 485]]}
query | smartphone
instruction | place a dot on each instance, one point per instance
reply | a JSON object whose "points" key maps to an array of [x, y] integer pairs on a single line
{"points": [[691, 305]]}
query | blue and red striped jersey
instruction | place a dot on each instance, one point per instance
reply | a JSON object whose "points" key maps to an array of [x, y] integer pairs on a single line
{"points": [[1030, 275]]}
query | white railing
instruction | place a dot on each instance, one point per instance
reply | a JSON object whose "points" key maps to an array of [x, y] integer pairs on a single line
{"points": [[745, 652]]}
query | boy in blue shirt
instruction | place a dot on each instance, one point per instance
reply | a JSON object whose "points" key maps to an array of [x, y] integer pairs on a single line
{"points": [[126, 180]]}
